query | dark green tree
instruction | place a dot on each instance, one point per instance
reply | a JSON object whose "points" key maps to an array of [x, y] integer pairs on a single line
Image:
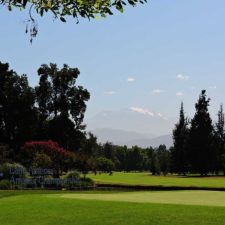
{"points": [[109, 151], [154, 163], [149, 154], [200, 139], [88, 151], [90, 145], [104, 164], [135, 159], [179, 151], [163, 156], [219, 142], [62, 104], [18, 114], [121, 155], [5, 154]]}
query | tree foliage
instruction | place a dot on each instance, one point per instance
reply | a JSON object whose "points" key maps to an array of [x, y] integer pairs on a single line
{"points": [[180, 138], [200, 139], [75, 8], [18, 115], [104, 164], [68, 8], [40, 153], [219, 142], [164, 159], [53, 110], [62, 104]]}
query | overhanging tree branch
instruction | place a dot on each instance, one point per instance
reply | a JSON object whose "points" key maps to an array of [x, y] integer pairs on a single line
{"points": [[88, 9]]}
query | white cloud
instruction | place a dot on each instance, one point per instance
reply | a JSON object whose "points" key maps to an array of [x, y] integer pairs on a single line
{"points": [[161, 116], [148, 112], [109, 92], [157, 91], [142, 111], [182, 77], [131, 79], [213, 87], [179, 93]]}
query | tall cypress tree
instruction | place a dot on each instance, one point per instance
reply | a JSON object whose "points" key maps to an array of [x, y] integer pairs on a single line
{"points": [[219, 142], [200, 138], [180, 136]]}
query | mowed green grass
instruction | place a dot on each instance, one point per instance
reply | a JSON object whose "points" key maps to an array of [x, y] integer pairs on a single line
{"points": [[67, 208], [209, 198], [147, 179]]}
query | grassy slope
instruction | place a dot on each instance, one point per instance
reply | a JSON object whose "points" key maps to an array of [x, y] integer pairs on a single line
{"points": [[146, 179], [46, 209]]}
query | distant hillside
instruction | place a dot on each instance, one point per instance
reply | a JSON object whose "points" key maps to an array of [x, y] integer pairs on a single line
{"points": [[154, 142], [129, 138], [129, 121], [118, 136]]}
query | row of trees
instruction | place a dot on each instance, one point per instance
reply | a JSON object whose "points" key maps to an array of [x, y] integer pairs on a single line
{"points": [[107, 157], [54, 110], [96, 157], [199, 146]]}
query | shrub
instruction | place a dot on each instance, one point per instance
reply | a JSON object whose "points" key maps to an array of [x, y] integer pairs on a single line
{"points": [[59, 156], [75, 181], [86, 182], [73, 178], [13, 176], [104, 164], [73, 174], [13, 170], [42, 160], [5, 185]]}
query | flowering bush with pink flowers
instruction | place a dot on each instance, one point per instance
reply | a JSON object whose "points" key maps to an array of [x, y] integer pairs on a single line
{"points": [[60, 157]]}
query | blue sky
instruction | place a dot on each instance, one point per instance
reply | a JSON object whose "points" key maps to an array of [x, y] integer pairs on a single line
{"points": [[170, 50]]}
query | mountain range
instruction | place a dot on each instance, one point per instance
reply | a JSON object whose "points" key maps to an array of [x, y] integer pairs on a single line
{"points": [[130, 138], [142, 125]]}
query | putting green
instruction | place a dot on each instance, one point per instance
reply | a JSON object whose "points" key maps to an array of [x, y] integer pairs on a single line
{"points": [[208, 198]]}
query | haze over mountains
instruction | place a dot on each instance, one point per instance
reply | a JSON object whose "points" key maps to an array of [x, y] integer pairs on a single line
{"points": [[129, 138], [134, 126]]}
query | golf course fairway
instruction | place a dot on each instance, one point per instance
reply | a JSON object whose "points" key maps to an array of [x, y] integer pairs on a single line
{"points": [[112, 208]]}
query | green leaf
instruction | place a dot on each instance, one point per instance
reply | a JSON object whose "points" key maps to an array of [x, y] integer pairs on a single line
{"points": [[25, 3], [9, 7], [62, 19]]}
